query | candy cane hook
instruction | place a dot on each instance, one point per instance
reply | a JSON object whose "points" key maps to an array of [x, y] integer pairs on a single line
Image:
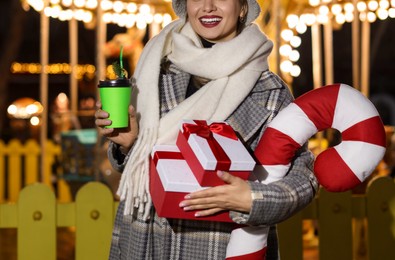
{"points": [[338, 168]]}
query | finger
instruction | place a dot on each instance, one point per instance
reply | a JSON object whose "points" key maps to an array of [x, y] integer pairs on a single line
{"points": [[101, 114], [226, 177], [102, 122], [210, 192], [197, 205], [204, 213], [200, 207], [106, 131], [132, 111], [98, 104]]}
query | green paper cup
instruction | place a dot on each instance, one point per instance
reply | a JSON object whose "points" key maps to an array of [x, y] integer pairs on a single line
{"points": [[115, 98]]}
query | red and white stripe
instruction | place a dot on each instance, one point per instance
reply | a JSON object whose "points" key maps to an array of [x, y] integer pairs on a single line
{"points": [[338, 168]]}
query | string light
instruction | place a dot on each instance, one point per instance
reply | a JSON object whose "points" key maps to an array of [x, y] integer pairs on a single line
{"points": [[348, 7], [24, 108], [361, 6], [344, 11], [285, 50], [371, 17], [336, 9], [293, 20], [295, 41], [129, 14], [384, 4], [340, 18], [117, 11], [83, 70], [287, 35], [382, 14], [301, 28], [295, 71], [373, 5], [286, 66], [294, 55], [322, 12], [35, 120], [314, 2]]}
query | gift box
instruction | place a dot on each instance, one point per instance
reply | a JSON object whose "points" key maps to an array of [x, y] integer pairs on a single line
{"points": [[211, 146], [170, 180]]}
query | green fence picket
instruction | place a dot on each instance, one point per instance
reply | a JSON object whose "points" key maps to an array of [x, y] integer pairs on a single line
{"points": [[335, 227], [94, 221], [381, 219], [290, 238], [37, 215], [36, 223]]}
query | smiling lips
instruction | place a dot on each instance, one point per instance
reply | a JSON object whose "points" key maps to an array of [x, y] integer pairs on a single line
{"points": [[210, 21]]}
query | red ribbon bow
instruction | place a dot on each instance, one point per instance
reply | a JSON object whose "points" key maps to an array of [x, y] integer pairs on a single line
{"points": [[202, 129]]}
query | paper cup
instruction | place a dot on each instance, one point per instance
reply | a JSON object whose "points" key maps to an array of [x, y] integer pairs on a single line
{"points": [[115, 99]]}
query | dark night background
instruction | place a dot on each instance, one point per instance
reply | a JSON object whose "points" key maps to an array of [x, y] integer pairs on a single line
{"points": [[26, 27], [382, 56], [27, 49]]}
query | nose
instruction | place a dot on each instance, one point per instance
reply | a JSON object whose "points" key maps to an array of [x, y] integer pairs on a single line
{"points": [[208, 5]]}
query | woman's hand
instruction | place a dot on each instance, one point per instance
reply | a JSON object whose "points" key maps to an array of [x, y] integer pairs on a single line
{"points": [[234, 195], [125, 137]]}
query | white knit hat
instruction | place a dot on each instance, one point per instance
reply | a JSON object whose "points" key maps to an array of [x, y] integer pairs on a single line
{"points": [[180, 8]]}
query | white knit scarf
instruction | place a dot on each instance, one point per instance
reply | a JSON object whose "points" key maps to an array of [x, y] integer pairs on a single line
{"points": [[233, 67]]}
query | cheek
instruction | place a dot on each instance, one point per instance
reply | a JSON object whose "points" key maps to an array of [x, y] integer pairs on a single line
{"points": [[191, 10], [233, 13], [238, 12], [234, 16]]}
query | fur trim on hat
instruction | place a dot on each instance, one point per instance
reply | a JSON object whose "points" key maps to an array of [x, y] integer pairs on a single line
{"points": [[180, 7]]}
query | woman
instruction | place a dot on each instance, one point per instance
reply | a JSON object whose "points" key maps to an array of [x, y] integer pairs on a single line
{"points": [[210, 64]]}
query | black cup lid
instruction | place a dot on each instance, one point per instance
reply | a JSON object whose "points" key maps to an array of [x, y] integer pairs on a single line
{"points": [[115, 83]]}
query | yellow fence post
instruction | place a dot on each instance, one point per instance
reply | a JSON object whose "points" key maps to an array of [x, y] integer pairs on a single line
{"points": [[36, 223], [37, 215], [290, 238], [16, 150], [31, 162], [2, 171], [19, 165], [94, 221], [381, 218], [335, 225]]}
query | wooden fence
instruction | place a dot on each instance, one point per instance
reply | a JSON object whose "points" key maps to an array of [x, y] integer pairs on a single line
{"points": [[345, 222], [36, 210], [20, 166], [37, 215]]}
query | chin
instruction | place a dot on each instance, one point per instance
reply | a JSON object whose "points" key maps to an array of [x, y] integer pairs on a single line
{"points": [[211, 38]]}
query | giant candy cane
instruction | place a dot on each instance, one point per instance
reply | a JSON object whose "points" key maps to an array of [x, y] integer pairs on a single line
{"points": [[338, 168]]}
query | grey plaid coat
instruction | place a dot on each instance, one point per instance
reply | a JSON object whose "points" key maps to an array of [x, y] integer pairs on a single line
{"points": [[161, 238]]}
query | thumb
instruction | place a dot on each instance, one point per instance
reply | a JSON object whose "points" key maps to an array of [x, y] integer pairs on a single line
{"points": [[132, 111], [225, 176]]}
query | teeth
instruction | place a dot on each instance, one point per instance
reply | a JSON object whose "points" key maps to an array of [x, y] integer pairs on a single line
{"points": [[210, 20]]}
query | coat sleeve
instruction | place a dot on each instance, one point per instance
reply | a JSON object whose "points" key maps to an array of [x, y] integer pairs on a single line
{"points": [[277, 201], [116, 158]]}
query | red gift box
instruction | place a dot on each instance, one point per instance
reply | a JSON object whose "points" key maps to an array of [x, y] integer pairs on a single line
{"points": [[211, 146], [170, 180]]}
